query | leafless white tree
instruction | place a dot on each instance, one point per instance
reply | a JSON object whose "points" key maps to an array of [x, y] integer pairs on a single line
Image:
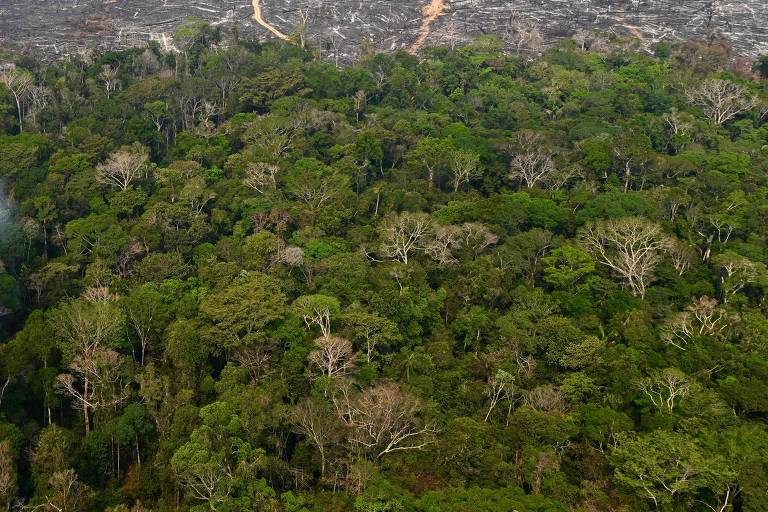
{"points": [[209, 111], [679, 330], [254, 359], [737, 272], [95, 381], [260, 175], [293, 256], [318, 424], [441, 245], [124, 166], [680, 254], [665, 387], [66, 494], [333, 356], [18, 82], [465, 166], [500, 387], [370, 329], [209, 483], [39, 96], [702, 317], [476, 236], [677, 122], [108, 77], [545, 398], [384, 419], [405, 234], [524, 37], [711, 319], [316, 310], [532, 163], [360, 99], [630, 246], [721, 100], [273, 134]]}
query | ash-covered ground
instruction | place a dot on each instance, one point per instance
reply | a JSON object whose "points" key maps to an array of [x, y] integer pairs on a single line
{"points": [[60, 27]]}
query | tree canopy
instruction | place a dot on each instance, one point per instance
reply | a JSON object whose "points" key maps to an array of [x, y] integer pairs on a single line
{"points": [[235, 277]]}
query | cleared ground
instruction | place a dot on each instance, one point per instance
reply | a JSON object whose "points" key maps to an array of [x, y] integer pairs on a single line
{"points": [[60, 27]]}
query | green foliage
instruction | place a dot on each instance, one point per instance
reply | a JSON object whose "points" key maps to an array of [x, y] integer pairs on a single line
{"points": [[242, 313], [360, 288]]}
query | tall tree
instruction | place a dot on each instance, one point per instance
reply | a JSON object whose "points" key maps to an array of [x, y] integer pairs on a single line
{"points": [[18, 81], [632, 247]]}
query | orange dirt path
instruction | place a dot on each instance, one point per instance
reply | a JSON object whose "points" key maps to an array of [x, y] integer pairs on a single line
{"points": [[258, 18], [430, 12]]}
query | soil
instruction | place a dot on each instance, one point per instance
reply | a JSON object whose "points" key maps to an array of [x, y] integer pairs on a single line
{"points": [[257, 16], [431, 12]]}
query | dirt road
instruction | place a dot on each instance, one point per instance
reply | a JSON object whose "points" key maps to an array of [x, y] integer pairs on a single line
{"points": [[258, 18], [430, 12]]}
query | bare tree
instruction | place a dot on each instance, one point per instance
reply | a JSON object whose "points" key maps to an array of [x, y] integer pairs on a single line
{"points": [[67, 494], [445, 240], [18, 82], [476, 237], [678, 123], [39, 96], [108, 77], [95, 381], [384, 419], [209, 482], [405, 234], [333, 356], [702, 317], [679, 330], [190, 106], [545, 461], [525, 38], [124, 166], [260, 175], [561, 176], [465, 166], [500, 387], [98, 293], [725, 498], [208, 111], [441, 245], [141, 317], [317, 310], [85, 330], [710, 318], [665, 387], [721, 100], [255, 360], [361, 100], [631, 149], [273, 134], [545, 398], [292, 256], [532, 163], [318, 424], [7, 475], [737, 272], [304, 12], [680, 254], [630, 246]]}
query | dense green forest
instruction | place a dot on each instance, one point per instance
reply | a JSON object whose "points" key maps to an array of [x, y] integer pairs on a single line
{"points": [[238, 278]]}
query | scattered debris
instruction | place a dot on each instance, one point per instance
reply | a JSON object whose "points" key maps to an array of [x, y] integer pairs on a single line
{"points": [[338, 27]]}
